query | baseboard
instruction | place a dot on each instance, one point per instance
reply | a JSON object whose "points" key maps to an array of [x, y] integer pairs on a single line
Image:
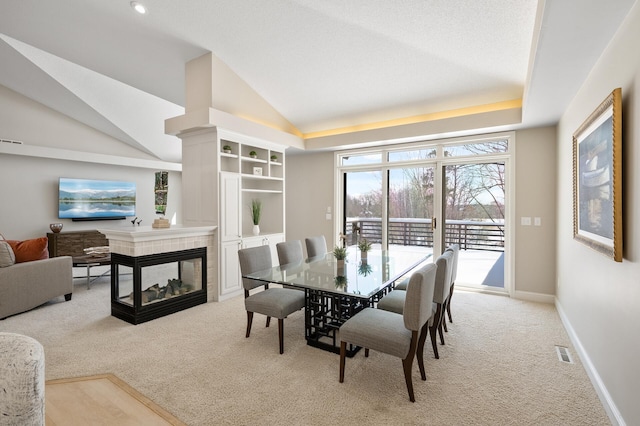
{"points": [[596, 381], [534, 297]]}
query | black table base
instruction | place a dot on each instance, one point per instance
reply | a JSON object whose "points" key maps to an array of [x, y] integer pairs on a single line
{"points": [[325, 312]]}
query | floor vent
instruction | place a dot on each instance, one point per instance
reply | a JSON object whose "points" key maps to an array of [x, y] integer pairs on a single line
{"points": [[10, 141], [563, 354]]}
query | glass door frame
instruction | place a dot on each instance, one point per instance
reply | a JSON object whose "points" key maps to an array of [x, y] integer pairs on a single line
{"points": [[438, 162]]}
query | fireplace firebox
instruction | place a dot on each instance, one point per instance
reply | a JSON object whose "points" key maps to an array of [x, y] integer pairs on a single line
{"points": [[147, 287]]}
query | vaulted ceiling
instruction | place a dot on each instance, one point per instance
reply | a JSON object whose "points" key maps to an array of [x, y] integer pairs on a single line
{"points": [[323, 65]]}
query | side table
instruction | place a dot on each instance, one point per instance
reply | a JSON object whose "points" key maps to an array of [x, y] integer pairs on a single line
{"points": [[90, 261]]}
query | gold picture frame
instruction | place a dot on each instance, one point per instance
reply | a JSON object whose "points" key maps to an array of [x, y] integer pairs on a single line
{"points": [[597, 178]]}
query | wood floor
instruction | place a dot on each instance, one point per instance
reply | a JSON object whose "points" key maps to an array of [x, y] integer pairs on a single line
{"points": [[100, 400]]}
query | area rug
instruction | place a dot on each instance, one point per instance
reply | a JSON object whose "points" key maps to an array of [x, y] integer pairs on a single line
{"points": [[101, 400]]}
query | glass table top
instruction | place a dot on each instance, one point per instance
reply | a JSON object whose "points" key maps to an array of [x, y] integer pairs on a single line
{"points": [[358, 277]]}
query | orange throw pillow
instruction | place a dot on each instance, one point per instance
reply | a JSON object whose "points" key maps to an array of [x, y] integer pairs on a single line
{"points": [[29, 250]]}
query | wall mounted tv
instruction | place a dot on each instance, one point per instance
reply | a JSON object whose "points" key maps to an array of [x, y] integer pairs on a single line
{"points": [[85, 199]]}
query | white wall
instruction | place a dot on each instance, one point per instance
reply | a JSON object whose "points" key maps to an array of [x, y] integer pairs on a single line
{"points": [[29, 185], [599, 298]]}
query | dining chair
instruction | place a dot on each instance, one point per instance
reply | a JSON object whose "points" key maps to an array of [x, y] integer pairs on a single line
{"points": [[455, 248], [399, 335], [290, 252], [316, 246], [394, 301], [272, 302]]}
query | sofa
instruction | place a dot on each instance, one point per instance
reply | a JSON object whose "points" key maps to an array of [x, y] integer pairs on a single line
{"points": [[25, 285]]}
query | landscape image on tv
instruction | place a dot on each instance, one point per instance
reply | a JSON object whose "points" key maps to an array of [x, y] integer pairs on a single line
{"points": [[96, 199]]}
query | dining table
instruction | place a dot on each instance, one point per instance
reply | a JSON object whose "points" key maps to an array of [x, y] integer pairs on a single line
{"points": [[337, 290]]}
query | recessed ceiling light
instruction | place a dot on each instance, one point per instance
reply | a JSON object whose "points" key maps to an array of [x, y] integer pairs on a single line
{"points": [[138, 7]]}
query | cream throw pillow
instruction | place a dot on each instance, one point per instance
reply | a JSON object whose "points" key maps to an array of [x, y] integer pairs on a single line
{"points": [[7, 258]]}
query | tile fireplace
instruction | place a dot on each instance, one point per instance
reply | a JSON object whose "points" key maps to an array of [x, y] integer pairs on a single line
{"points": [[157, 272]]}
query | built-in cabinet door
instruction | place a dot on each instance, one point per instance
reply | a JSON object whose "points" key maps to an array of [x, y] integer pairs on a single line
{"points": [[230, 208], [230, 279], [265, 240]]}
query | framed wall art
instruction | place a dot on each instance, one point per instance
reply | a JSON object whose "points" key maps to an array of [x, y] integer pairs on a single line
{"points": [[597, 178]]}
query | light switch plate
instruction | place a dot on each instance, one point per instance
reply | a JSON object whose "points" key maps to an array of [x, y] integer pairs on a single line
{"points": [[525, 221]]}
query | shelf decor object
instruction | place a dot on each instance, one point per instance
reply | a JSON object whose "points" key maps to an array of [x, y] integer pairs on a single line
{"points": [[256, 210], [597, 178], [56, 227], [161, 189], [226, 149]]}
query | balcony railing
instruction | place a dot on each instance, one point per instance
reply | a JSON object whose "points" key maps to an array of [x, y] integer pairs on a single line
{"points": [[469, 234]]}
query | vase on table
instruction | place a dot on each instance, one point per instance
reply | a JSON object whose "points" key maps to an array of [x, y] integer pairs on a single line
{"points": [[256, 229], [56, 227]]}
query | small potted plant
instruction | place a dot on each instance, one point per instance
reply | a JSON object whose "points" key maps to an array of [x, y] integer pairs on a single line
{"points": [[226, 149], [274, 157], [364, 268], [341, 282], [340, 253], [253, 154], [364, 245], [256, 210]]}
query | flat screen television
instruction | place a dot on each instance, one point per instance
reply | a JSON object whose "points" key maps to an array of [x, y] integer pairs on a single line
{"points": [[86, 199]]}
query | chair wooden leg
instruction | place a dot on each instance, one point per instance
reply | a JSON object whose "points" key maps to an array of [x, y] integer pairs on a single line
{"points": [[449, 302], [249, 321], [420, 351], [366, 352], [268, 321], [343, 354], [407, 364], [281, 334], [440, 331], [432, 332]]}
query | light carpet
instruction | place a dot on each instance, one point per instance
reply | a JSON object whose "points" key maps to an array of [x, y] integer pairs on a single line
{"points": [[499, 366]]}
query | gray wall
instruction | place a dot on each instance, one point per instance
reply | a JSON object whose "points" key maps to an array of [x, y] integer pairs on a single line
{"points": [[29, 189], [535, 196], [600, 298], [309, 191]]}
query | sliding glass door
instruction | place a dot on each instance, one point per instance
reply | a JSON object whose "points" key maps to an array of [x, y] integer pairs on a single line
{"points": [[474, 218], [427, 196]]}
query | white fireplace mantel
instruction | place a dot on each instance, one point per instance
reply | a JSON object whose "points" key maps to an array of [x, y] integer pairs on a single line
{"points": [[137, 234]]}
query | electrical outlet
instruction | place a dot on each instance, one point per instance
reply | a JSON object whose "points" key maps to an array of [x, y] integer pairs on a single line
{"points": [[537, 221]]}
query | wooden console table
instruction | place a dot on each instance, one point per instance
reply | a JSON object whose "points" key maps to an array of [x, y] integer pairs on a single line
{"points": [[73, 243]]}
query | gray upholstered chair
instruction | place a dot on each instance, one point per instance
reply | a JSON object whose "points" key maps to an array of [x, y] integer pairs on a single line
{"points": [[316, 246], [272, 302], [22, 385], [455, 248], [290, 252], [394, 301], [394, 334]]}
